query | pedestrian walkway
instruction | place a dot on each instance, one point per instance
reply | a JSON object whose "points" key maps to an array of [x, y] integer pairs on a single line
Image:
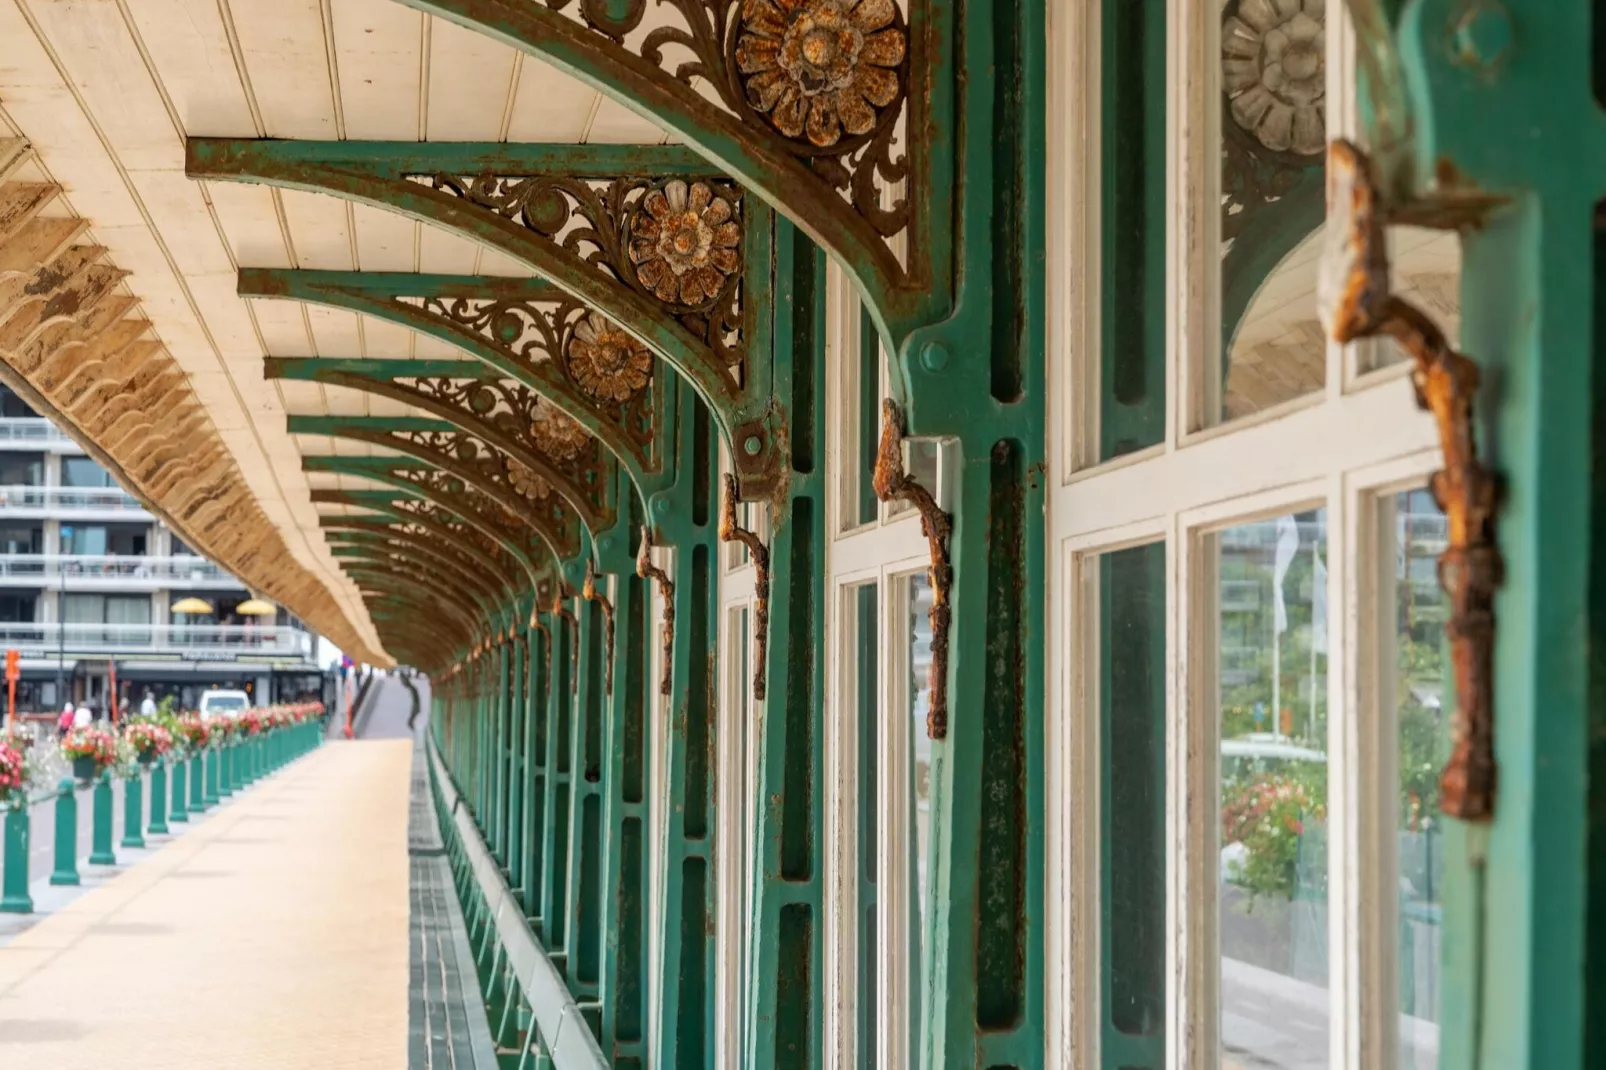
{"points": [[272, 935]]}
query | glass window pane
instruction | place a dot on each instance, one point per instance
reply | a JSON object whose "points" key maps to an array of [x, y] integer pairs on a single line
{"points": [[1421, 701], [1273, 74], [1129, 614], [1426, 268], [1271, 687], [919, 608], [868, 402], [1131, 370], [84, 472], [864, 628]]}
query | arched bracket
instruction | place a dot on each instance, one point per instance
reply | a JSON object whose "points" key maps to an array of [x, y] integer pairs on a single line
{"points": [[1358, 304], [830, 155], [404, 478], [523, 329], [508, 416], [389, 583], [603, 222], [666, 594], [446, 554], [426, 520], [549, 497], [440, 588], [347, 543], [590, 592], [731, 531], [893, 484]]}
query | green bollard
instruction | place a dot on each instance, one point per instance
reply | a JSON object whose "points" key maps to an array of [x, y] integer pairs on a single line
{"points": [[198, 784], [134, 811], [16, 899], [66, 871], [158, 825], [212, 796], [100, 841], [225, 779], [180, 812]]}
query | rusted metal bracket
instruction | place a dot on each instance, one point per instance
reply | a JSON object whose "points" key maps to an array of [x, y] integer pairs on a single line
{"points": [[893, 484], [666, 591], [561, 610], [546, 635], [729, 531], [1356, 303], [590, 592]]}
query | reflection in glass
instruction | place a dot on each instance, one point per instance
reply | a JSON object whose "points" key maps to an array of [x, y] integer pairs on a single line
{"points": [[1415, 528], [1425, 266], [1271, 661], [867, 649], [1273, 74], [919, 608]]}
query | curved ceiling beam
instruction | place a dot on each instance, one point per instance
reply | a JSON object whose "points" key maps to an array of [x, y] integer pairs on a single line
{"points": [[529, 479], [424, 520], [446, 633], [442, 554], [443, 593], [522, 493], [521, 328], [603, 222], [427, 483], [826, 162], [441, 602], [488, 600]]}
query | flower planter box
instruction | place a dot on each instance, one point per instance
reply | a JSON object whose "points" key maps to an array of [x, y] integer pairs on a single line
{"points": [[84, 768], [147, 757]]}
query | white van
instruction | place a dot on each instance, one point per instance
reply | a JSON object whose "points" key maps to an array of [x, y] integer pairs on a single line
{"points": [[223, 703]]}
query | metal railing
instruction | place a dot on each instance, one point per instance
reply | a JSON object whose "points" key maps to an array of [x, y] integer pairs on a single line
{"points": [[204, 642], [33, 430], [68, 500], [114, 569]]}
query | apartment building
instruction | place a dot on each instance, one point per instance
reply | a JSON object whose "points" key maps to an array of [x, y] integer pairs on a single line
{"points": [[93, 588]]}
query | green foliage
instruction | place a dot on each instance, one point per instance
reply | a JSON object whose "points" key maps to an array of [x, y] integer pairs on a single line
{"points": [[1267, 815]]}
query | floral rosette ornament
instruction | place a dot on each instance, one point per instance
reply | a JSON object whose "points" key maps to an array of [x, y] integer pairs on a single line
{"points": [[821, 68], [90, 750], [683, 240], [14, 773], [1273, 68], [149, 740], [606, 361]]}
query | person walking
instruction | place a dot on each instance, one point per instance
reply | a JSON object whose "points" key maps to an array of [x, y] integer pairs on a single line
{"points": [[64, 723], [81, 717], [147, 705]]}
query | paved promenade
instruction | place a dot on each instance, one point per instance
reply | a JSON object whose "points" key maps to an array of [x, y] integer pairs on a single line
{"points": [[274, 934]]}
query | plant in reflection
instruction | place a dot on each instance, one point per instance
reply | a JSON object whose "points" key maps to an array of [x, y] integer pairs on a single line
{"points": [[1266, 816], [1420, 694]]}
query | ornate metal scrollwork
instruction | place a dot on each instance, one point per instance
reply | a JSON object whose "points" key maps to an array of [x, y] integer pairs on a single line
{"points": [[523, 484], [892, 484], [678, 241], [468, 502], [1357, 303], [590, 592], [666, 593], [731, 531]]}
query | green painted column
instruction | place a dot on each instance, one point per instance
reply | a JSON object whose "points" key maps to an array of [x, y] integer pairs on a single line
{"points": [[785, 945], [66, 856], [555, 830], [180, 810], [209, 777], [198, 803], [158, 822], [686, 519], [223, 755], [519, 728], [535, 745], [14, 897], [584, 898], [100, 842], [134, 811]]}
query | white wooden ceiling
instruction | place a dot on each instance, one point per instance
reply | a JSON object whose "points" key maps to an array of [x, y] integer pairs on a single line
{"points": [[107, 91]]}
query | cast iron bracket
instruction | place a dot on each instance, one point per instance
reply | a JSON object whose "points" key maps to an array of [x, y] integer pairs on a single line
{"points": [[590, 592], [729, 531], [666, 590], [1357, 304], [893, 484]]}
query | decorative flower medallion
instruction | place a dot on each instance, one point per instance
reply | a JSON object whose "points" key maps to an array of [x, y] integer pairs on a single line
{"points": [[1274, 72], [605, 361], [819, 67], [683, 241], [525, 482], [557, 434]]}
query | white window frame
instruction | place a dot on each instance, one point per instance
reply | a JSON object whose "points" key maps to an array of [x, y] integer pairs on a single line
{"points": [[1338, 448]]}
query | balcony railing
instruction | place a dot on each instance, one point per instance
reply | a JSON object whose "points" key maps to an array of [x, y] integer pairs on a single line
{"points": [[68, 501], [32, 431], [115, 570], [194, 642]]}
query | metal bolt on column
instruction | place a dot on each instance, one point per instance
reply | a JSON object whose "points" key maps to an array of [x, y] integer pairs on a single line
{"points": [[66, 871], [15, 898]]}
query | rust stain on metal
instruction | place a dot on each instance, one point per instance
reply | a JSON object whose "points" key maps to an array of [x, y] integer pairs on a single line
{"points": [[730, 531], [589, 590], [893, 484], [560, 610], [546, 646], [666, 591], [1446, 382]]}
